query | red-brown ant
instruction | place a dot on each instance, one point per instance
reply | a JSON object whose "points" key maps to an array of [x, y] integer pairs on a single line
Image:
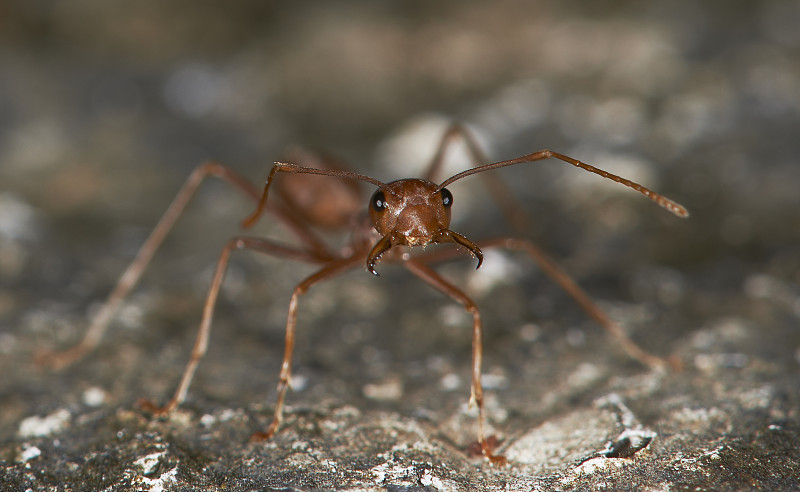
{"points": [[402, 214]]}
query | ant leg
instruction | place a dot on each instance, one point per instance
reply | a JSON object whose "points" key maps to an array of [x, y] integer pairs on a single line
{"points": [[497, 188], [330, 270], [454, 131], [560, 277], [134, 271], [432, 278], [201, 342], [130, 277]]}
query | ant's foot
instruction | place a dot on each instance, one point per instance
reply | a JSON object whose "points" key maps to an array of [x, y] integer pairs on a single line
{"points": [[265, 435], [150, 407], [261, 436], [485, 448]]}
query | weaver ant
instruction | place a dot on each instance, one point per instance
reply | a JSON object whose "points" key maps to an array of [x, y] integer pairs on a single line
{"points": [[402, 214]]}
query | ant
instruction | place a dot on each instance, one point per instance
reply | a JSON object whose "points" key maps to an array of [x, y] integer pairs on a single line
{"points": [[403, 214]]}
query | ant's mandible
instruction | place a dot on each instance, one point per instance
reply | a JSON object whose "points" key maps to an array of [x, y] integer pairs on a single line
{"points": [[402, 213]]}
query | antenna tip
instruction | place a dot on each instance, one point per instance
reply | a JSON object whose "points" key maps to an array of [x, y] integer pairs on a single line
{"points": [[679, 210], [674, 207]]}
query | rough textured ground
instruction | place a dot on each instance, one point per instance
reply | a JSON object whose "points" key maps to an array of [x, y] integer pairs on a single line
{"points": [[105, 109]]}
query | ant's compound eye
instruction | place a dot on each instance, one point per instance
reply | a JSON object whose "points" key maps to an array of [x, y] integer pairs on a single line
{"points": [[378, 201], [447, 198]]}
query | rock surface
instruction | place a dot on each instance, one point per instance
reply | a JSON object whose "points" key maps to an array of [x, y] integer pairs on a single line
{"points": [[105, 110]]}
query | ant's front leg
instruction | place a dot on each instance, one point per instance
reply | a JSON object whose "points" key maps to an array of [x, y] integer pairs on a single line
{"points": [[330, 270], [432, 278], [201, 341]]}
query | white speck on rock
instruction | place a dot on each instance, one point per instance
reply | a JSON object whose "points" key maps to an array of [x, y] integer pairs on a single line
{"points": [[450, 382], [29, 453], [17, 218], [207, 420], [594, 465], [389, 390], [42, 426], [94, 396], [149, 462], [396, 474], [161, 483], [428, 479]]}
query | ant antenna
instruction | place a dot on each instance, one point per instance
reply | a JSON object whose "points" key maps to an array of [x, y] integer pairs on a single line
{"points": [[661, 200]]}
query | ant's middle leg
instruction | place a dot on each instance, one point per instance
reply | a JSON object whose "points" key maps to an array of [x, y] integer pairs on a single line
{"points": [[559, 276]]}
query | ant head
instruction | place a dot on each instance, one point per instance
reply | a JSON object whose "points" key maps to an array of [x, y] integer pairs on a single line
{"points": [[413, 212]]}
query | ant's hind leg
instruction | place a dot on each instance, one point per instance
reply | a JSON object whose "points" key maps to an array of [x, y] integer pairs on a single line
{"points": [[454, 131], [130, 277], [497, 188]]}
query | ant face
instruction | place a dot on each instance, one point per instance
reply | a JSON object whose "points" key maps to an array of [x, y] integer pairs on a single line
{"points": [[411, 211]]}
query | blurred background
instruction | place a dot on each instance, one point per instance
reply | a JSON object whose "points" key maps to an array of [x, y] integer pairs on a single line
{"points": [[106, 107]]}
